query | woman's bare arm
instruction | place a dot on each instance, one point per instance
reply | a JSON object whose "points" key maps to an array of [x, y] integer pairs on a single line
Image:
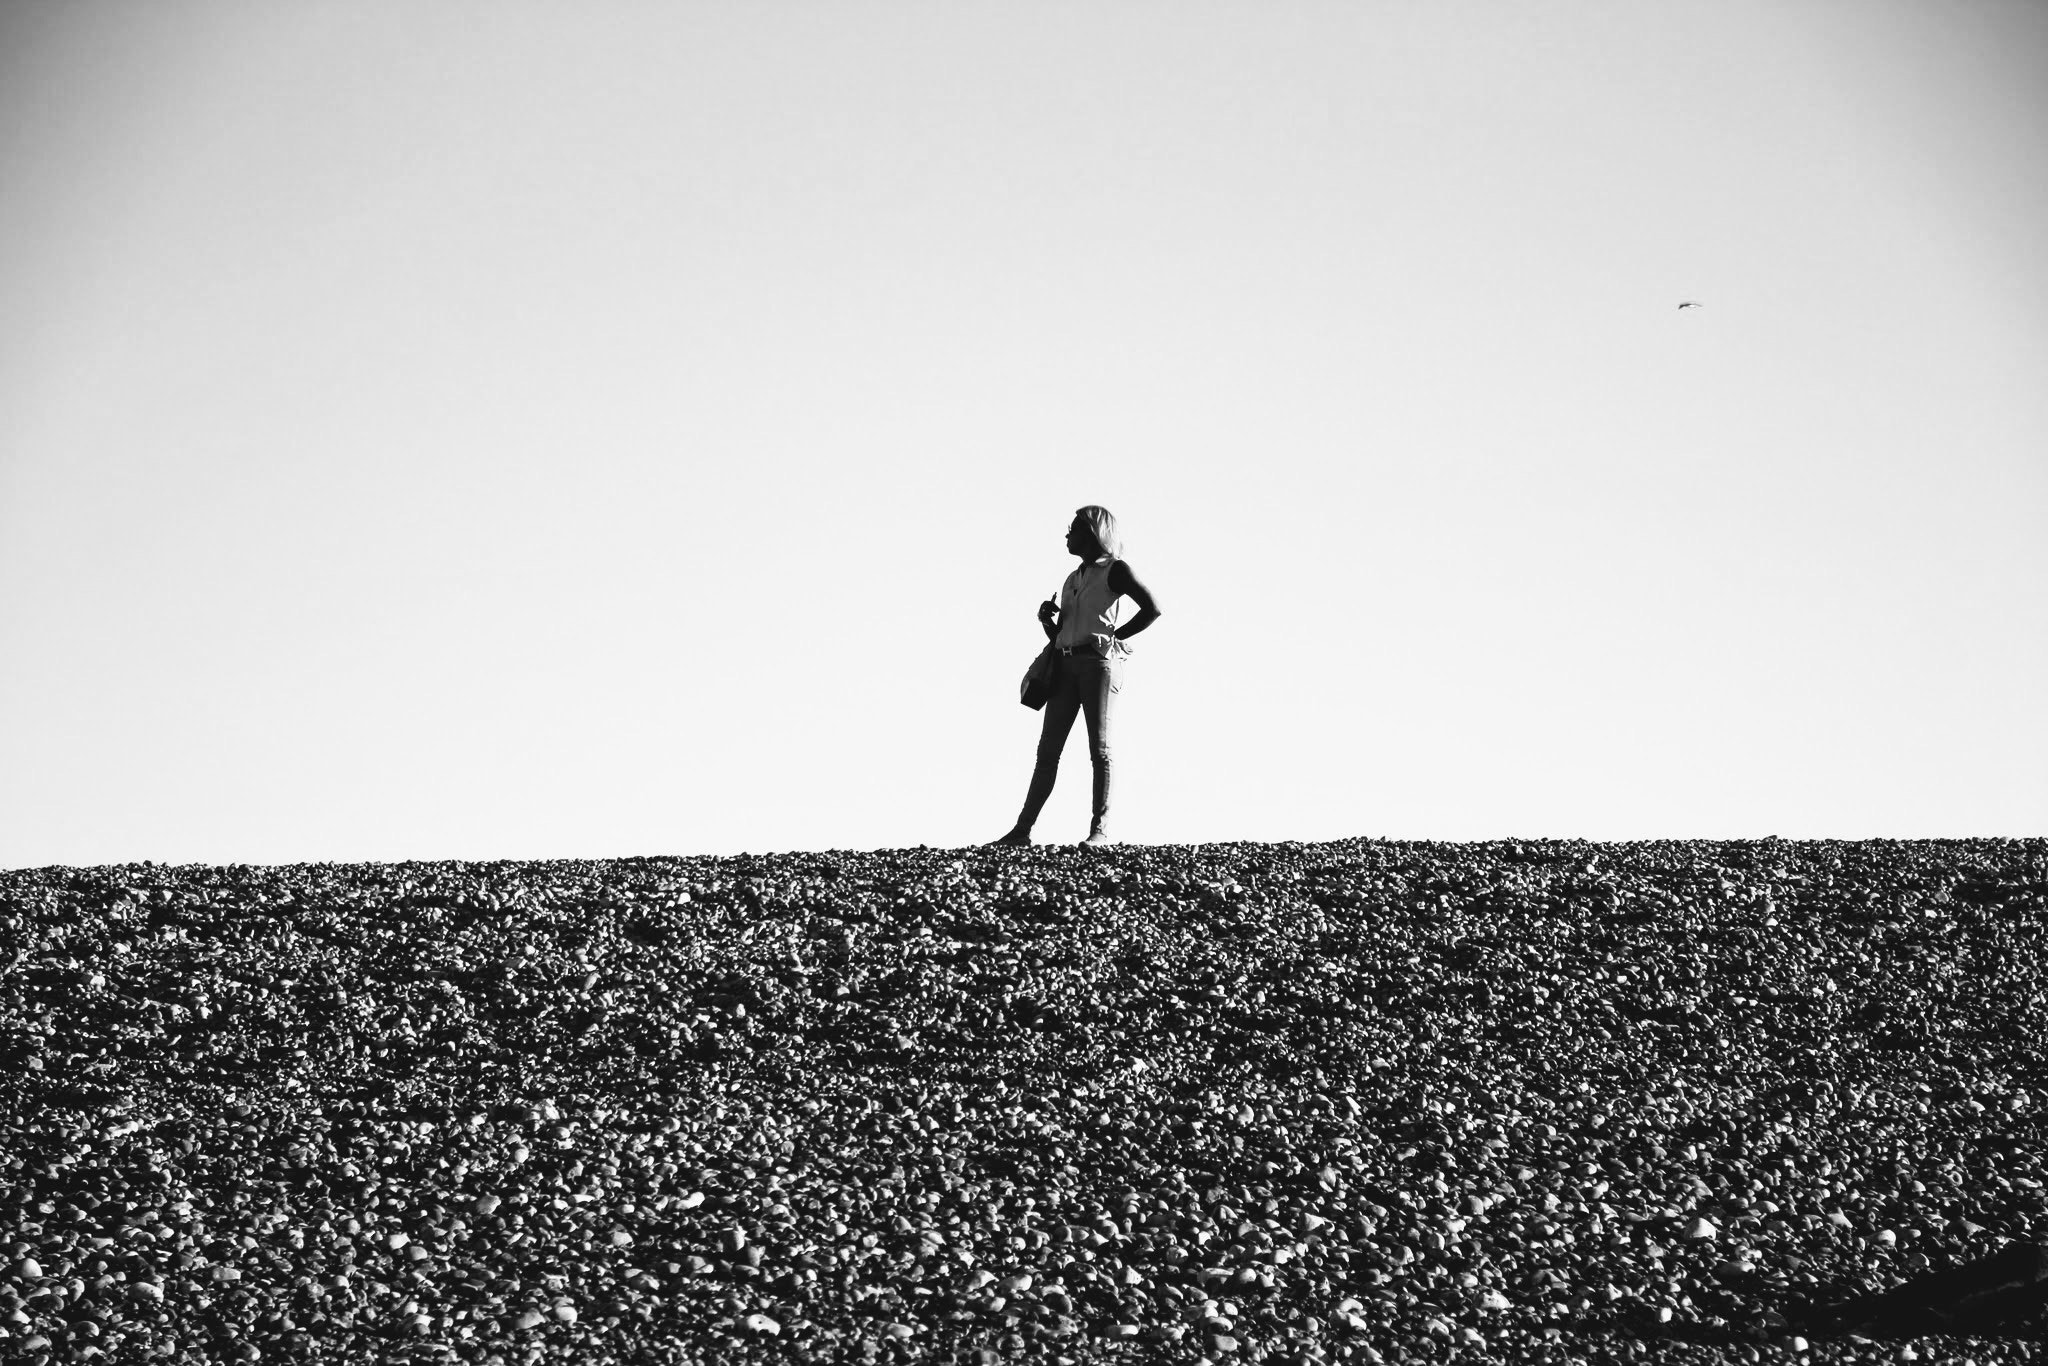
{"points": [[1124, 582]]}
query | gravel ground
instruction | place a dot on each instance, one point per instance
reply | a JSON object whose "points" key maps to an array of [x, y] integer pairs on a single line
{"points": [[1359, 1101]]}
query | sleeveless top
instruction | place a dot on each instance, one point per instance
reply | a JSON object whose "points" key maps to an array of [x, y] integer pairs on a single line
{"points": [[1091, 609]]}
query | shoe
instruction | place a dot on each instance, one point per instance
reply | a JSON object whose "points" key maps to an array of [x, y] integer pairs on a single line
{"points": [[1016, 839], [1096, 840]]}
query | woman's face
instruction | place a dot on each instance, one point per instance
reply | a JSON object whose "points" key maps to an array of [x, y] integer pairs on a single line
{"points": [[1080, 538]]}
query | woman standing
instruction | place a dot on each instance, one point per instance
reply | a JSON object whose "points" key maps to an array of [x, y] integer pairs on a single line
{"points": [[1083, 627]]}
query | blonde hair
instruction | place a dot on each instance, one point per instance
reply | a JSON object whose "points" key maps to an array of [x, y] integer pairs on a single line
{"points": [[1102, 523]]}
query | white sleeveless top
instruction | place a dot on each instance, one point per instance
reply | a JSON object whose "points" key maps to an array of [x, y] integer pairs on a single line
{"points": [[1090, 608]]}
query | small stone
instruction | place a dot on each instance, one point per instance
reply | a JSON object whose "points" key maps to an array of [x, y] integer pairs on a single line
{"points": [[761, 1323], [1700, 1228]]}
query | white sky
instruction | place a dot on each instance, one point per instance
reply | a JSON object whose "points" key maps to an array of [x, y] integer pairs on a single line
{"points": [[532, 430]]}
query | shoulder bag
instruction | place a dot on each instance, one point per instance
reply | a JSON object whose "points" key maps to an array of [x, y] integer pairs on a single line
{"points": [[1037, 685]]}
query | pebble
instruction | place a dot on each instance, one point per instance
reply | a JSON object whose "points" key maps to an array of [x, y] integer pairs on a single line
{"points": [[1419, 1073]]}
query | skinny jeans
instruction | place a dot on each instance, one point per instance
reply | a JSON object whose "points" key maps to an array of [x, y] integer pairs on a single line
{"points": [[1084, 684]]}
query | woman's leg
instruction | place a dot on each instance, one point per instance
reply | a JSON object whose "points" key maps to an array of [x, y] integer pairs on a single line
{"points": [[1098, 684], [1066, 699]]}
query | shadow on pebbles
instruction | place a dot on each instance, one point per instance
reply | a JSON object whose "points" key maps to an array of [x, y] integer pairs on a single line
{"points": [[1360, 1101]]}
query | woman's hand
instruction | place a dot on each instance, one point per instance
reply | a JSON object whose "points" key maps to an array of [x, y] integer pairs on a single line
{"points": [[1047, 610]]}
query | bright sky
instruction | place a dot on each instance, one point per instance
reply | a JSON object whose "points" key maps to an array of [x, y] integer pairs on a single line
{"points": [[517, 430]]}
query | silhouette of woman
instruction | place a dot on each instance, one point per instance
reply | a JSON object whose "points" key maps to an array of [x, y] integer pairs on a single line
{"points": [[1083, 627]]}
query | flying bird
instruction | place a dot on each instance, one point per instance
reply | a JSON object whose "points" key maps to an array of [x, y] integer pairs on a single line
{"points": [[1690, 303]]}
